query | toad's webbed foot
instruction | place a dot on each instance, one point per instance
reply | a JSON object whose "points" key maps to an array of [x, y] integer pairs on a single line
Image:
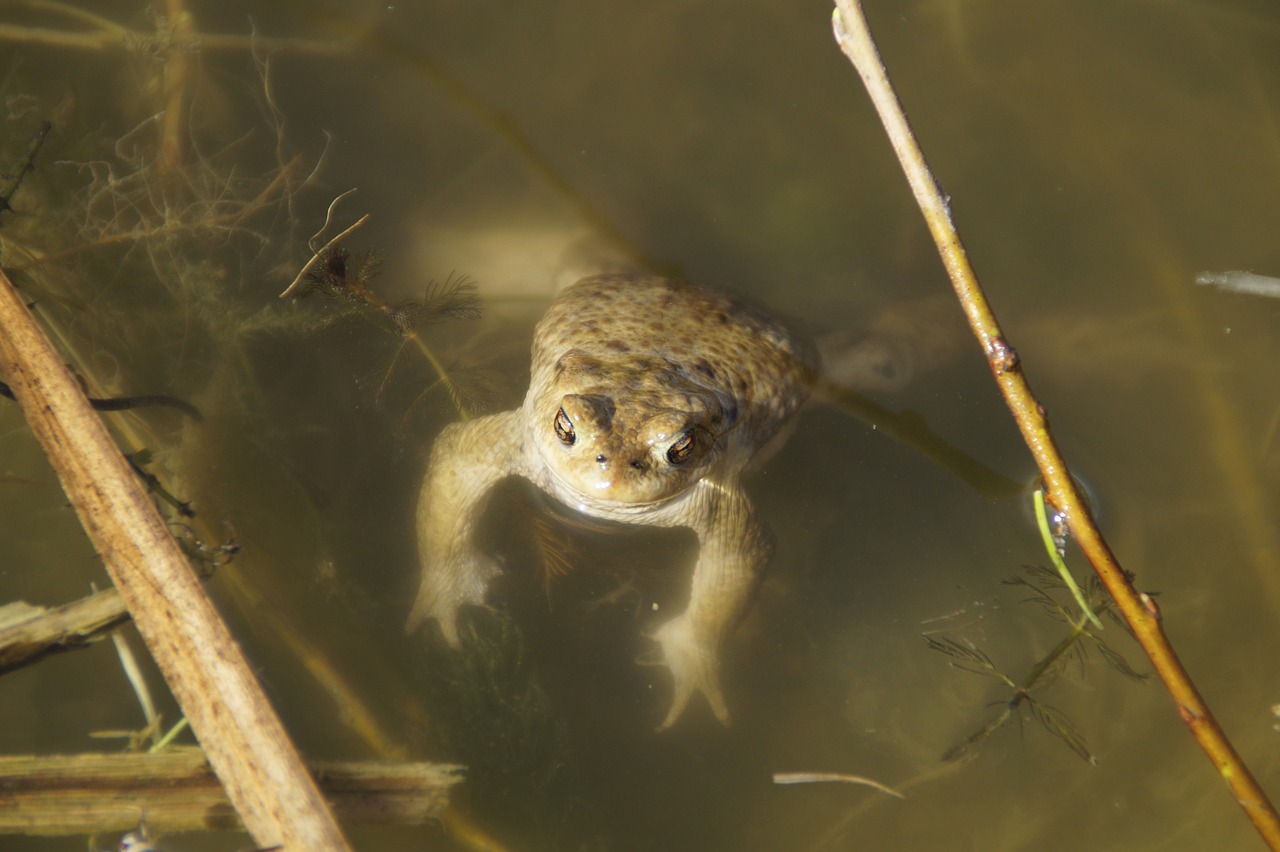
{"points": [[445, 590], [695, 667]]}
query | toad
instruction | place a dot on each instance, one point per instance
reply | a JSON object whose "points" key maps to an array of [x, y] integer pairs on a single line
{"points": [[647, 401]]}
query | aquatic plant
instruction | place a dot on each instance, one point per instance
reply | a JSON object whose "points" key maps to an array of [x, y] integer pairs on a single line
{"points": [[1043, 586], [490, 712], [344, 279]]}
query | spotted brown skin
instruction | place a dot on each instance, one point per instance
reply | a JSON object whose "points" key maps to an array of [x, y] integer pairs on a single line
{"points": [[647, 400]]}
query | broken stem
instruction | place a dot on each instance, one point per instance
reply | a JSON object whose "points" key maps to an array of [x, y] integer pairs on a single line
{"points": [[1138, 611]]}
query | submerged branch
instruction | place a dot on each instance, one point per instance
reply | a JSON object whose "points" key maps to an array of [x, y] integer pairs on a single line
{"points": [[175, 790], [1139, 611]]}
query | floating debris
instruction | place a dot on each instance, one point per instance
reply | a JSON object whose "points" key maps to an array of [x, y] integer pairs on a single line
{"points": [[1238, 281]]}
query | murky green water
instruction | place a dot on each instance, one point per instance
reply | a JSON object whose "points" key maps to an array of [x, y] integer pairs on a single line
{"points": [[1097, 154]]}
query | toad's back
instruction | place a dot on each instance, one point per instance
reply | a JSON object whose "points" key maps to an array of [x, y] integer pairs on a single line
{"points": [[733, 350]]}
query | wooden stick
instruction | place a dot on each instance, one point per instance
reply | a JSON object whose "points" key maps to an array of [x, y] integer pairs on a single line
{"points": [[246, 744], [1139, 611], [176, 790], [28, 633]]}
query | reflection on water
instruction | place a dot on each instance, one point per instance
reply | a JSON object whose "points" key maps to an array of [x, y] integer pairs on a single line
{"points": [[1098, 155]]}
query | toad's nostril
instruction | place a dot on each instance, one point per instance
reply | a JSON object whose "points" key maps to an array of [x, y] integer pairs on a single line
{"points": [[602, 458]]}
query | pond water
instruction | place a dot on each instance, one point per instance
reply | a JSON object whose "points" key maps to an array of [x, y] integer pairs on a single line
{"points": [[1097, 156]]}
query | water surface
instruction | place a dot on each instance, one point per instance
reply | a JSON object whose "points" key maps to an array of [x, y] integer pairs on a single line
{"points": [[1097, 155]]}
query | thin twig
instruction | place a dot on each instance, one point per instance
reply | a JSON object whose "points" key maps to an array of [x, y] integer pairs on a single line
{"points": [[105, 34], [83, 16], [319, 254], [25, 166], [832, 777], [133, 672], [1139, 611]]}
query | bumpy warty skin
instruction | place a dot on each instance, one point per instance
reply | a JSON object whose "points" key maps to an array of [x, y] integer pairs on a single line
{"points": [[647, 399]]}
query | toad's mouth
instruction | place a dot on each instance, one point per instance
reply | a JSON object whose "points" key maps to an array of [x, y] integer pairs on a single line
{"points": [[602, 493], [578, 516]]}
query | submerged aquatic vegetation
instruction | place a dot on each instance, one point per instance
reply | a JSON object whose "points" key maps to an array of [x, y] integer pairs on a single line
{"points": [[1054, 536], [344, 280], [1045, 588], [490, 713], [23, 167], [149, 250]]}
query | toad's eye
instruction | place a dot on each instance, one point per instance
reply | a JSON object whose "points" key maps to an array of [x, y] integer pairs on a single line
{"points": [[564, 429], [681, 450]]}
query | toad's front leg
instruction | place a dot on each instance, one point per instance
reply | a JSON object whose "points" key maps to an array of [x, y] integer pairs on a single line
{"points": [[467, 460], [733, 550]]}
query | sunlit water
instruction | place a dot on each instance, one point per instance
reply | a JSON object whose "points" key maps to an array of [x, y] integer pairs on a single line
{"points": [[1097, 155]]}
